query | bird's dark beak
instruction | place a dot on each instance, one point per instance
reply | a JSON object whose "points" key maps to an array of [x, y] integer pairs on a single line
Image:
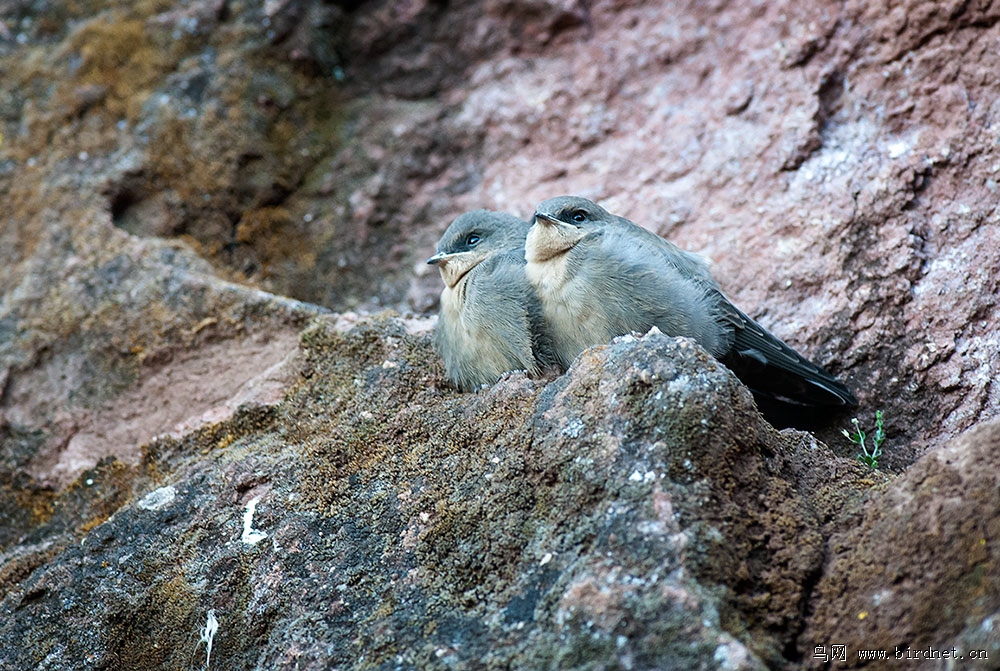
{"points": [[546, 219], [439, 259]]}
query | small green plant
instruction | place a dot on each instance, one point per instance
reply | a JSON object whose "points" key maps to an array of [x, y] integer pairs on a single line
{"points": [[858, 437]]}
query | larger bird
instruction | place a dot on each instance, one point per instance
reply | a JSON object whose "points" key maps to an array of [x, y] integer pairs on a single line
{"points": [[598, 276], [490, 321]]}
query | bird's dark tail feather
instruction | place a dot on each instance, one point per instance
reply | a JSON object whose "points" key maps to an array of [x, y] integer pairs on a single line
{"points": [[780, 377]]}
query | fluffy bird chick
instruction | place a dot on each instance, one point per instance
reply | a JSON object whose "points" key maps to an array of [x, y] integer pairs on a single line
{"points": [[490, 320], [598, 276]]}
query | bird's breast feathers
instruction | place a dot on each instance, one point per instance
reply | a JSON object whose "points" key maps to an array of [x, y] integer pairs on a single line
{"points": [[547, 276], [567, 303], [453, 300]]}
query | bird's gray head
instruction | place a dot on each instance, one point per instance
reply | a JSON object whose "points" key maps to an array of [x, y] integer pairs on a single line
{"points": [[473, 237], [560, 223], [572, 210]]}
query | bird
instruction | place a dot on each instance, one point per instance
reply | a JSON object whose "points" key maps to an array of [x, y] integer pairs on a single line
{"points": [[598, 276], [490, 321]]}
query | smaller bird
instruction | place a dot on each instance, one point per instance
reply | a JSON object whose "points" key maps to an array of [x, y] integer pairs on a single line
{"points": [[490, 321], [598, 276]]}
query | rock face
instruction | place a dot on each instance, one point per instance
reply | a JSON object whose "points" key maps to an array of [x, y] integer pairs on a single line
{"points": [[626, 514], [204, 408]]}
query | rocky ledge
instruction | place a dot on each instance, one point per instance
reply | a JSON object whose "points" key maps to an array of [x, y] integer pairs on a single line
{"points": [[226, 441]]}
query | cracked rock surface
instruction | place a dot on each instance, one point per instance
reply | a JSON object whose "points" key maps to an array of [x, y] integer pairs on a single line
{"points": [[218, 394]]}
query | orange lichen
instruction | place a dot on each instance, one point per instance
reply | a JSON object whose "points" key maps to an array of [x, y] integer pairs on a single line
{"points": [[122, 57], [270, 231]]}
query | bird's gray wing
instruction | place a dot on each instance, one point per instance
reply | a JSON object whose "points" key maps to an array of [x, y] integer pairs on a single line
{"points": [[688, 263], [641, 282], [764, 363]]}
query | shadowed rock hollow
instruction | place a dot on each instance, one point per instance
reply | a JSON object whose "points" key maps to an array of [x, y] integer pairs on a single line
{"points": [[203, 406]]}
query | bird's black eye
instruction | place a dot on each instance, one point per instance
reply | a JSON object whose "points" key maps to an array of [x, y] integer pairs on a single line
{"points": [[472, 239], [579, 216]]}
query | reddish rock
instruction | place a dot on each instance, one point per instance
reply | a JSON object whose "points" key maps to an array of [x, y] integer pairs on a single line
{"points": [[168, 176], [913, 570]]}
